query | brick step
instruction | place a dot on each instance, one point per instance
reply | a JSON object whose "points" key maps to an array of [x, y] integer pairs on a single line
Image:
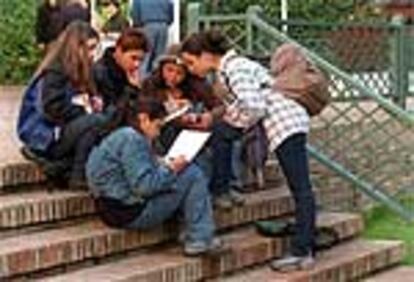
{"points": [[23, 172], [168, 264], [19, 173], [347, 262], [401, 273], [40, 250], [36, 207], [33, 207]]}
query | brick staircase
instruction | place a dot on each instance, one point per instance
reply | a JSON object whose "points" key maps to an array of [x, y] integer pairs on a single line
{"points": [[56, 236]]}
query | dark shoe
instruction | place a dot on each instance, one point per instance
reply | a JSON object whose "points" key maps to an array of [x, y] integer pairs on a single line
{"points": [[292, 263], [33, 156], [78, 186]]}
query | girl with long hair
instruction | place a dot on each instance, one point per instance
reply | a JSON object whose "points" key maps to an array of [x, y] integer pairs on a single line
{"points": [[59, 104]]}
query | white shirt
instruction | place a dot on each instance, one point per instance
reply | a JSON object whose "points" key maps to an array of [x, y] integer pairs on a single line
{"points": [[250, 82]]}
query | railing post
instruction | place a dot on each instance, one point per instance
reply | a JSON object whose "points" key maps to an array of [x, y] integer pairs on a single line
{"points": [[251, 11], [399, 67], [193, 16]]}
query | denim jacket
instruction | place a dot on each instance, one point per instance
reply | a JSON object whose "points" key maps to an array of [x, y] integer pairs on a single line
{"points": [[123, 167]]}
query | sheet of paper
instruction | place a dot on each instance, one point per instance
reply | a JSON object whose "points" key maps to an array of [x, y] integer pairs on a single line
{"points": [[176, 114], [187, 144]]}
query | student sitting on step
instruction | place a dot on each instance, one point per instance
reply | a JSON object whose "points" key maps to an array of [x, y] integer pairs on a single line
{"points": [[57, 111], [172, 85], [134, 189], [117, 72]]}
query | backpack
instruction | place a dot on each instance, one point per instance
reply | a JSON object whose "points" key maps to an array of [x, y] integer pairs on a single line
{"points": [[297, 78], [33, 129]]}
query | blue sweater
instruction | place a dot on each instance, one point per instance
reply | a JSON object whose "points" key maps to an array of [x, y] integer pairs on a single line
{"points": [[146, 11], [123, 167]]}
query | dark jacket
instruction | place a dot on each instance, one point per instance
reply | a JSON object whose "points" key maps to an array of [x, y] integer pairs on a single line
{"points": [[111, 80], [46, 107], [52, 20], [73, 12], [45, 28], [56, 96]]}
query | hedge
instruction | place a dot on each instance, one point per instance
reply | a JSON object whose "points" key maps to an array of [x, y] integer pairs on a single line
{"points": [[19, 54]]}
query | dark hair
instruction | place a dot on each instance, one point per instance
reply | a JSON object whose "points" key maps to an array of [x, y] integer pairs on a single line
{"points": [[127, 109], [154, 85], [132, 39], [211, 41], [111, 2]]}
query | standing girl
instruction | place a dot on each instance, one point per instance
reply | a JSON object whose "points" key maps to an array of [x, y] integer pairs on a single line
{"points": [[286, 124]]}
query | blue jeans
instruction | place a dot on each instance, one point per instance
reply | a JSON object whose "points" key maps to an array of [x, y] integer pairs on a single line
{"points": [[190, 198], [293, 159], [157, 34], [222, 143]]}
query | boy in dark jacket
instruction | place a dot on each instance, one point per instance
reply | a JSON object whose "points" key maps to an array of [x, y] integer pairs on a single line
{"points": [[117, 72]]}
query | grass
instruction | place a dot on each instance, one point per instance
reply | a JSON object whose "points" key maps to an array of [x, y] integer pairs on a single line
{"points": [[381, 223]]}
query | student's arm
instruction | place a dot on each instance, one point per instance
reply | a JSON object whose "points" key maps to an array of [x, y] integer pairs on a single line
{"points": [[143, 173], [56, 101]]}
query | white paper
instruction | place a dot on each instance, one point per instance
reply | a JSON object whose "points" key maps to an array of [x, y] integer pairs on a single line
{"points": [[187, 144], [176, 114]]}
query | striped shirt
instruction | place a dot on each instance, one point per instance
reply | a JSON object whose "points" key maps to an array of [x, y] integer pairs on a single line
{"points": [[251, 85]]}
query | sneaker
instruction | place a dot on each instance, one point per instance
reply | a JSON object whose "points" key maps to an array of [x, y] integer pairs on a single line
{"points": [[223, 201], [33, 156], [292, 263], [236, 197], [200, 248]]}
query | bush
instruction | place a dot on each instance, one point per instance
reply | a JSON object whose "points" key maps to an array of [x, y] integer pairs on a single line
{"points": [[19, 54]]}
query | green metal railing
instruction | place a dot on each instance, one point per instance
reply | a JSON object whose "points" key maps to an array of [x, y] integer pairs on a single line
{"points": [[362, 136], [378, 54]]}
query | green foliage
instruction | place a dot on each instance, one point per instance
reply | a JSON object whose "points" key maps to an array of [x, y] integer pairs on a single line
{"points": [[19, 54], [311, 10], [382, 224]]}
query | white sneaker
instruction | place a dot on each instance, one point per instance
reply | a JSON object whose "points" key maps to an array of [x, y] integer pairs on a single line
{"points": [[199, 248], [292, 263]]}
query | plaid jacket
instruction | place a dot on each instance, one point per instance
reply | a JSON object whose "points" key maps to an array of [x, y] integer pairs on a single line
{"points": [[250, 84]]}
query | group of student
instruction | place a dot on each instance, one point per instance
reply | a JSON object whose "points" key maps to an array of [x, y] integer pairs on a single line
{"points": [[96, 124]]}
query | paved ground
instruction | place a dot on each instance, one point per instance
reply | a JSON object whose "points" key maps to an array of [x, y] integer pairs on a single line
{"points": [[9, 104]]}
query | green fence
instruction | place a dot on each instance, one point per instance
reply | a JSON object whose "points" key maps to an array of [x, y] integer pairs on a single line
{"points": [[379, 55], [363, 137]]}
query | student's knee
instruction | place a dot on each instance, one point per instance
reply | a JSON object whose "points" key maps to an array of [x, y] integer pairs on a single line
{"points": [[192, 176]]}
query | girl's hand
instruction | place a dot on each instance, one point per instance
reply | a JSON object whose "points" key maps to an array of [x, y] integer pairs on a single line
{"points": [[177, 164], [190, 119], [203, 122], [97, 104]]}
